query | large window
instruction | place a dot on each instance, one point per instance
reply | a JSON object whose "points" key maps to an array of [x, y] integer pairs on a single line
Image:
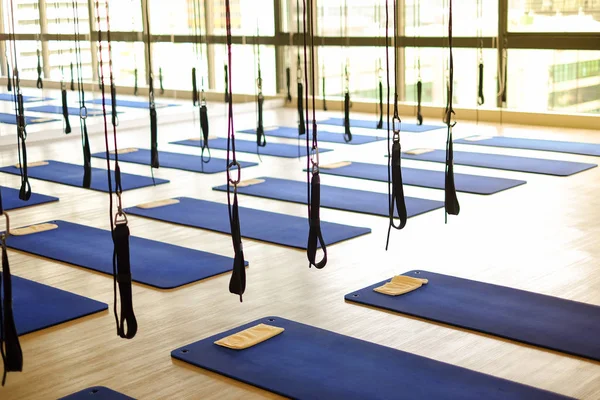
{"points": [[349, 34], [554, 16]]}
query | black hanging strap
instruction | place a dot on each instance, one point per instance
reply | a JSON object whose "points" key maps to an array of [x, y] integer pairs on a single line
{"points": [[204, 128], [480, 98], [72, 79], [25, 190], [135, 82], [261, 139], [154, 162], [194, 88], [226, 83], [347, 132], [113, 104], [39, 84], [452, 206], [396, 202], [160, 80], [301, 123], [380, 123], [65, 109], [324, 92], [8, 79], [288, 83], [315, 236], [419, 97], [125, 317], [237, 283], [87, 154]]}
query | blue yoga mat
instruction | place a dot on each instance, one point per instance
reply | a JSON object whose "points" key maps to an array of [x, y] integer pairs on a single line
{"points": [[282, 229], [324, 135], [338, 198], [474, 184], [26, 99], [6, 118], [586, 149], [131, 103], [305, 362], [248, 146], [186, 162], [72, 175], [369, 124], [97, 393], [531, 318], [11, 200], [73, 111], [157, 264], [38, 306], [508, 163]]}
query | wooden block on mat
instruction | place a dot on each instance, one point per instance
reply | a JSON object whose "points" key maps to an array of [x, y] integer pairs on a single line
{"points": [[159, 203], [401, 284], [249, 337], [336, 165], [250, 182], [416, 152], [33, 164], [28, 230], [477, 138], [125, 151]]}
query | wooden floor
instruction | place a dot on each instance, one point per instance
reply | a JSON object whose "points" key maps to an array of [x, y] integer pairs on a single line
{"points": [[543, 237]]}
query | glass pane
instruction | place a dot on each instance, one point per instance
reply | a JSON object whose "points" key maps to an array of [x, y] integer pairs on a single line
{"points": [[177, 61], [27, 52], [60, 16], [247, 17], [557, 80], [62, 55], [243, 75], [554, 16], [26, 16], [350, 18], [434, 76], [176, 17], [364, 67], [125, 15], [430, 18], [127, 57]]}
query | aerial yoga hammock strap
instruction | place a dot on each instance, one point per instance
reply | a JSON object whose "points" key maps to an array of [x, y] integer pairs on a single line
{"points": [[87, 154], [417, 21], [380, 122], [226, 72], [63, 89], [154, 162], [8, 78], [10, 347], [452, 206], [379, 70], [126, 322], [237, 283], [261, 139], [347, 132], [199, 97], [288, 83], [480, 98], [300, 86], [39, 84], [396, 202], [160, 80], [25, 189], [315, 236]]}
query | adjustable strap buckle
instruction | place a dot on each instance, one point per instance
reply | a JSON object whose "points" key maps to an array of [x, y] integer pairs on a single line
{"points": [[6, 233], [314, 159], [396, 124], [236, 164], [120, 216], [83, 114]]}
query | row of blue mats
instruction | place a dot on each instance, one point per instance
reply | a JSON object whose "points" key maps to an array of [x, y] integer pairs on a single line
{"points": [[355, 369]]}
